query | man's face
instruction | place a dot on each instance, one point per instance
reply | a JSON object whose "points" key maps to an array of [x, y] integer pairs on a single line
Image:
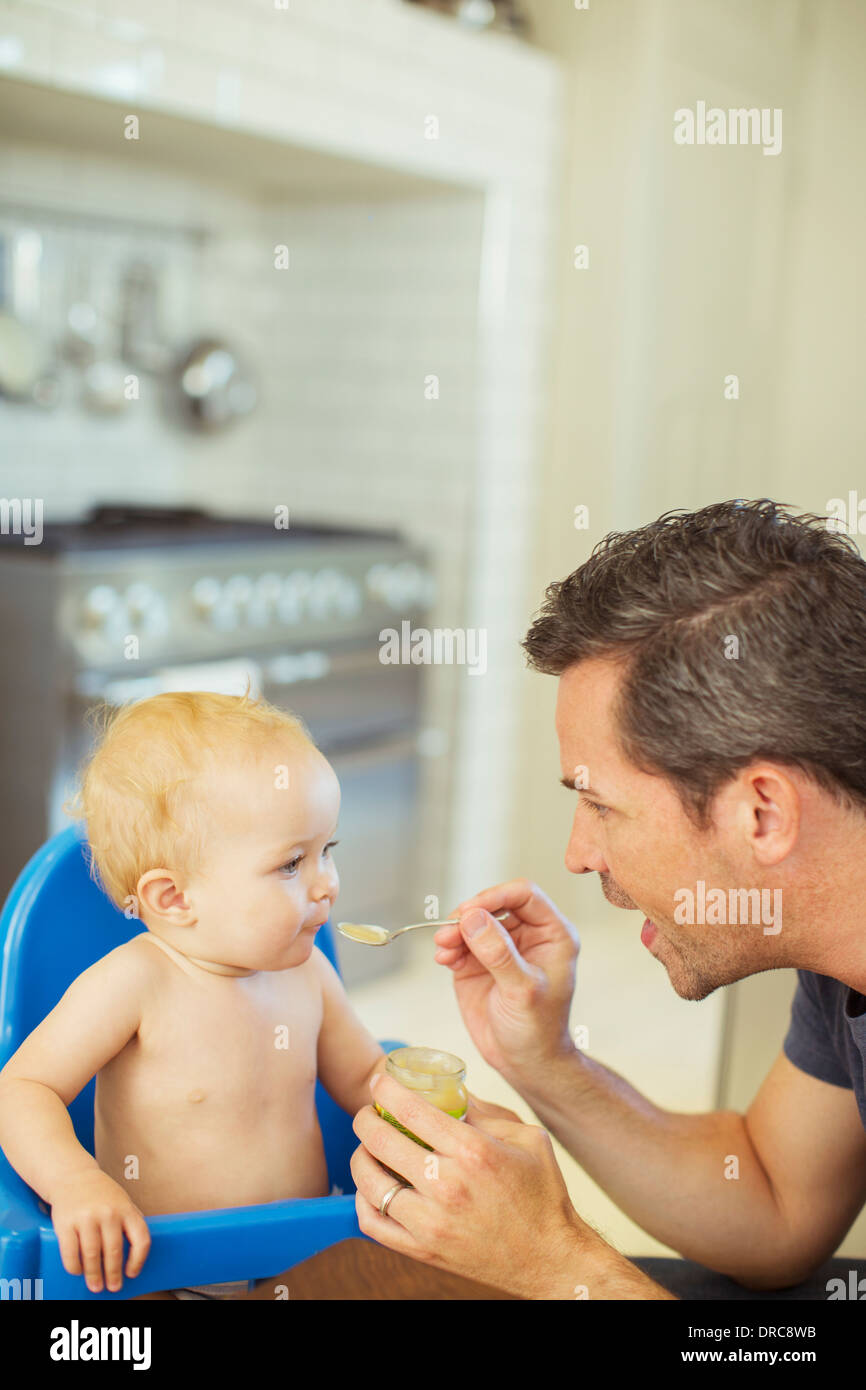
{"points": [[632, 830]]}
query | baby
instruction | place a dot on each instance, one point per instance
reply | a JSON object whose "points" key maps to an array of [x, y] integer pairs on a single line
{"points": [[214, 817]]}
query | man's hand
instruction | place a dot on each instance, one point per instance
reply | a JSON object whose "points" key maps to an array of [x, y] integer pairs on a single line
{"points": [[476, 1109], [91, 1212], [489, 1203], [514, 979]]}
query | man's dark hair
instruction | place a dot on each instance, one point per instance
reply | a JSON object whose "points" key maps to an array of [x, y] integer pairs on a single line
{"points": [[665, 599]]}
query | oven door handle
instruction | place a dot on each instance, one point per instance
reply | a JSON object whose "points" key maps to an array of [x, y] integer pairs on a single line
{"points": [[229, 677]]}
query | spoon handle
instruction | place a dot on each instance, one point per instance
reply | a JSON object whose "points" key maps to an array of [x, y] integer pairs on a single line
{"points": [[448, 922]]}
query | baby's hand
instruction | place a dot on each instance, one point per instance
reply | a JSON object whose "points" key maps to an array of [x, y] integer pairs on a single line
{"points": [[91, 1213]]}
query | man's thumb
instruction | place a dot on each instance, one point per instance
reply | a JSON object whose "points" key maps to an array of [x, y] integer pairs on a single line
{"points": [[493, 947]]}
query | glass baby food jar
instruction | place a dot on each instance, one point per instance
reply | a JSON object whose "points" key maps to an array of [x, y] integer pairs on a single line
{"points": [[437, 1076]]}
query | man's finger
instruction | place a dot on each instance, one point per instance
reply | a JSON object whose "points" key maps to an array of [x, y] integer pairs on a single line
{"points": [[519, 895], [489, 1109], [447, 955], [492, 946], [494, 1127], [447, 936]]}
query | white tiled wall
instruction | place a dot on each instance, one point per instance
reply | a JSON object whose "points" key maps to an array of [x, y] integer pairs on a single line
{"points": [[380, 294]]}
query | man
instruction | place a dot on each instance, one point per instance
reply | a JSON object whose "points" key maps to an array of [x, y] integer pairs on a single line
{"points": [[712, 719]]}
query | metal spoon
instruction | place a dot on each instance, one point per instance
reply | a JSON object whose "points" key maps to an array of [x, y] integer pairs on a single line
{"points": [[368, 935]]}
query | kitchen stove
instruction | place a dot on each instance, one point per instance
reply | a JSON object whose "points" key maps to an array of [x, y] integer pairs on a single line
{"points": [[131, 601]]}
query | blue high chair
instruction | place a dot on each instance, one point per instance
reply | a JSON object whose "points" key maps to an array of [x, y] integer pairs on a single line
{"points": [[56, 923]]}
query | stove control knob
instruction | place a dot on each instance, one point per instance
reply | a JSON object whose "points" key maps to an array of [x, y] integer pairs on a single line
{"points": [[205, 597], [411, 584], [239, 590], [377, 580], [334, 593], [324, 591], [140, 601], [98, 606], [223, 616], [268, 587], [400, 586], [266, 592], [145, 609], [348, 598], [294, 593]]}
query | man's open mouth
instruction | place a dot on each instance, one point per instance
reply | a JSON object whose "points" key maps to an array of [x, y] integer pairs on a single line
{"points": [[648, 932]]}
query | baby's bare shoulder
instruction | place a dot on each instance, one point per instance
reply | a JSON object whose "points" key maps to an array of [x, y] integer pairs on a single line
{"points": [[134, 961], [97, 1015]]}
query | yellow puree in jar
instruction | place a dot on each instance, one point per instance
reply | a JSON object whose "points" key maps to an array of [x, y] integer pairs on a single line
{"points": [[434, 1077]]}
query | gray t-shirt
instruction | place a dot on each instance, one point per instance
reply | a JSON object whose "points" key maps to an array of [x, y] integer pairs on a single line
{"points": [[827, 1034]]}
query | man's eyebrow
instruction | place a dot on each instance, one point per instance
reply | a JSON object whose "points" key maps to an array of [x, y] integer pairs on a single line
{"points": [[570, 784]]}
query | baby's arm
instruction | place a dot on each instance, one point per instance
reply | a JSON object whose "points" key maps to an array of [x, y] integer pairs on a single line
{"points": [[94, 1020], [348, 1055]]}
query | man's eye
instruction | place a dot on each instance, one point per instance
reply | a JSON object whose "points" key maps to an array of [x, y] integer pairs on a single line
{"points": [[596, 807]]}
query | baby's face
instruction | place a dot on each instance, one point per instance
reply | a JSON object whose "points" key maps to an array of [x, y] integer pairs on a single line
{"points": [[268, 880]]}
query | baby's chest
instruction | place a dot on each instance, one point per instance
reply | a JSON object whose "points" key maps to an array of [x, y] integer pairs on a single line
{"points": [[253, 1048]]}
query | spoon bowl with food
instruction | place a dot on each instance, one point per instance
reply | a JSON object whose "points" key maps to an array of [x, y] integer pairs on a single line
{"points": [[369, 935]]}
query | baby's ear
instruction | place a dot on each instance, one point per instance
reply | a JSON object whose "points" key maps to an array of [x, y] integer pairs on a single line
{"points": [[160, 893]]}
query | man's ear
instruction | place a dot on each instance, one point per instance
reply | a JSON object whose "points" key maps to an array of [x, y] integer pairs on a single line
{"points": [[158, 890], [774, 813]]}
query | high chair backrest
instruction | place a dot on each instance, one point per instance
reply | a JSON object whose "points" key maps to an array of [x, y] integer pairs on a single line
{"points": [[56, 922]]}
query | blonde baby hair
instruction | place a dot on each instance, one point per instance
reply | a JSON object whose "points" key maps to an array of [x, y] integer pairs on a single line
{"points": [[138, 795]]}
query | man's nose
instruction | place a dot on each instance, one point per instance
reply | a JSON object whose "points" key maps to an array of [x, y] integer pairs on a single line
{"points": [[582, 854]]}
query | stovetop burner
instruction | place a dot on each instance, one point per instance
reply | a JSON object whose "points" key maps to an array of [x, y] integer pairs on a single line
{"points": [[122, 525]]}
